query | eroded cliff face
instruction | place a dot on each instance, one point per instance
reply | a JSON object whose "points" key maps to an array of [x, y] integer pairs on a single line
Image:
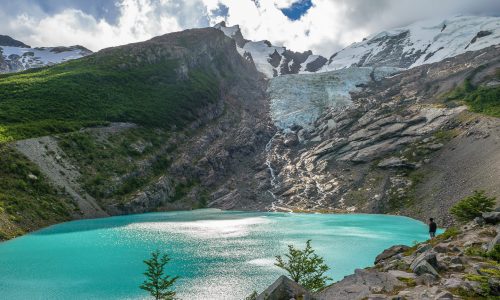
{"points": [[398, 147]]}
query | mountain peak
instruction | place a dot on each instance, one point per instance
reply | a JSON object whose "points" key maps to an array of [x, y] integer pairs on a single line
{"points": [[6, 40]]}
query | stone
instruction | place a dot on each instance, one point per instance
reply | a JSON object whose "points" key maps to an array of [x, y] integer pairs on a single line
{"points": [[444, 295], [285, 288], [429, 257], [493, 242], [291, 140], [434, 146], [424, 268], [426, 279], [457, 260], [32, 177], [456, 267], [359, 285], [440, 249], [423, 248], [390, 252], [479, 221], [494, 284], [491, 217], [395, 162], [453, 283]]}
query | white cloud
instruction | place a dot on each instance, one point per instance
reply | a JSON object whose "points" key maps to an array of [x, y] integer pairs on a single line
{"points": [[326, 27]]}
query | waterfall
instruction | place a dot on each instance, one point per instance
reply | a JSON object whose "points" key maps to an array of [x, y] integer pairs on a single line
{"points": [[277, 203]]}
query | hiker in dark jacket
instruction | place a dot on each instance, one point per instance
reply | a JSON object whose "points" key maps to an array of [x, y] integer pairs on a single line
{"points": [[432, 228]]}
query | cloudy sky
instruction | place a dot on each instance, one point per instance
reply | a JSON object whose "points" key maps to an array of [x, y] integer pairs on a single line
{"points": [[323, 26]]}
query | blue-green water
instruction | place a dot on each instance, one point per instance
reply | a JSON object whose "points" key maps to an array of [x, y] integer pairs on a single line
{"points": [[218, 254]]}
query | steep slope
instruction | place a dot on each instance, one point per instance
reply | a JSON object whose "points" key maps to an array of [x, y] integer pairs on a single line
{"points": [[420, 43], [16, 56], [189, 100], [272, 60], [404, 144]]}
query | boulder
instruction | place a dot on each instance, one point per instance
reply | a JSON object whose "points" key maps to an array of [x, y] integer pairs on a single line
{"points": [[395, 162], [359, 285], [493, 242], [494, 284], [423, 248], [390, 252], [444, 295], [424, 268], [491, 217], [285, 288], [429, 257], [479, 221]]}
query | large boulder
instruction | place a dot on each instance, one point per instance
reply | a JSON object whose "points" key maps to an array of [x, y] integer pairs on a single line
{"points": [[491, 217], [360, 285], [285, 288], [428, 256], [390, 252], [423, 267]]}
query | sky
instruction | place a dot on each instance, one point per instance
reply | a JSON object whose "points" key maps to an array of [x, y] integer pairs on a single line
{"points": [[323, 26]]}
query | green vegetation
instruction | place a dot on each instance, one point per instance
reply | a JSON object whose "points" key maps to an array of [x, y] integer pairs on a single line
{"points": [[106, 87], [157, 283], [480, 99], [473, 206], [304, 267], [116, 165], [494, 254], [252, 296], [27, 201]]}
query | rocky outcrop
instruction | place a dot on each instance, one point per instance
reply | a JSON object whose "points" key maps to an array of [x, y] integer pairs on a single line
{"points": [[285, 288], [449, 266]]}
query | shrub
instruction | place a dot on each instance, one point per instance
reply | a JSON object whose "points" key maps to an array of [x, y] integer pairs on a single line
{"points": [[157, 283], [305, 267], [473, 206]]}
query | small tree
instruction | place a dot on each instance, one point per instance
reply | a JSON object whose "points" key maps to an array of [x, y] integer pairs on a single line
{"points": [[304, 267], [157, 283], [473, 206]]}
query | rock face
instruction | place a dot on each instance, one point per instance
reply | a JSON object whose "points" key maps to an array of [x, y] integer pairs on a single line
{"points": [[272, 60], [372, 151]]}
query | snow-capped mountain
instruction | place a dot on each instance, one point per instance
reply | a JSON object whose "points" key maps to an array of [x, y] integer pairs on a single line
{"points": [[420, 43], [273, 60], [406, 47], [16, 56]]}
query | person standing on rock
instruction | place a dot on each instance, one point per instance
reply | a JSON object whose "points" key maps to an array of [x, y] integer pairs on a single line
{"points": [[432, 228]]}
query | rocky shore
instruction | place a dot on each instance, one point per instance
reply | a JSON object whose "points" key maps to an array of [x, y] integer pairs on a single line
{"points": [[461, 263]]}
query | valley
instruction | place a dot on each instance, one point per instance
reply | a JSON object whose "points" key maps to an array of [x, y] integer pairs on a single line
{"points": [[186, 121]]}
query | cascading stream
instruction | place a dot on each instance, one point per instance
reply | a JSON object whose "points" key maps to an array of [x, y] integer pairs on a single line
{"points": [[277, 204]]}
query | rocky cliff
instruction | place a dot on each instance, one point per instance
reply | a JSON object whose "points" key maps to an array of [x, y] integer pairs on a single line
{"points": [[391, 145]]}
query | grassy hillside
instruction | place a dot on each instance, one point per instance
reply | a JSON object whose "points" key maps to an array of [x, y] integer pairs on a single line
{"points": [[27, 201], [480, 99], [98, 89]]}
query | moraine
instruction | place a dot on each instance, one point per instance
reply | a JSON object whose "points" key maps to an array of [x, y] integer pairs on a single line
{"points": [[218, 254]]}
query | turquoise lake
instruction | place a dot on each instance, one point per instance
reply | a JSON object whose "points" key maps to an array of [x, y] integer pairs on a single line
{"points": [[218, 254]]}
